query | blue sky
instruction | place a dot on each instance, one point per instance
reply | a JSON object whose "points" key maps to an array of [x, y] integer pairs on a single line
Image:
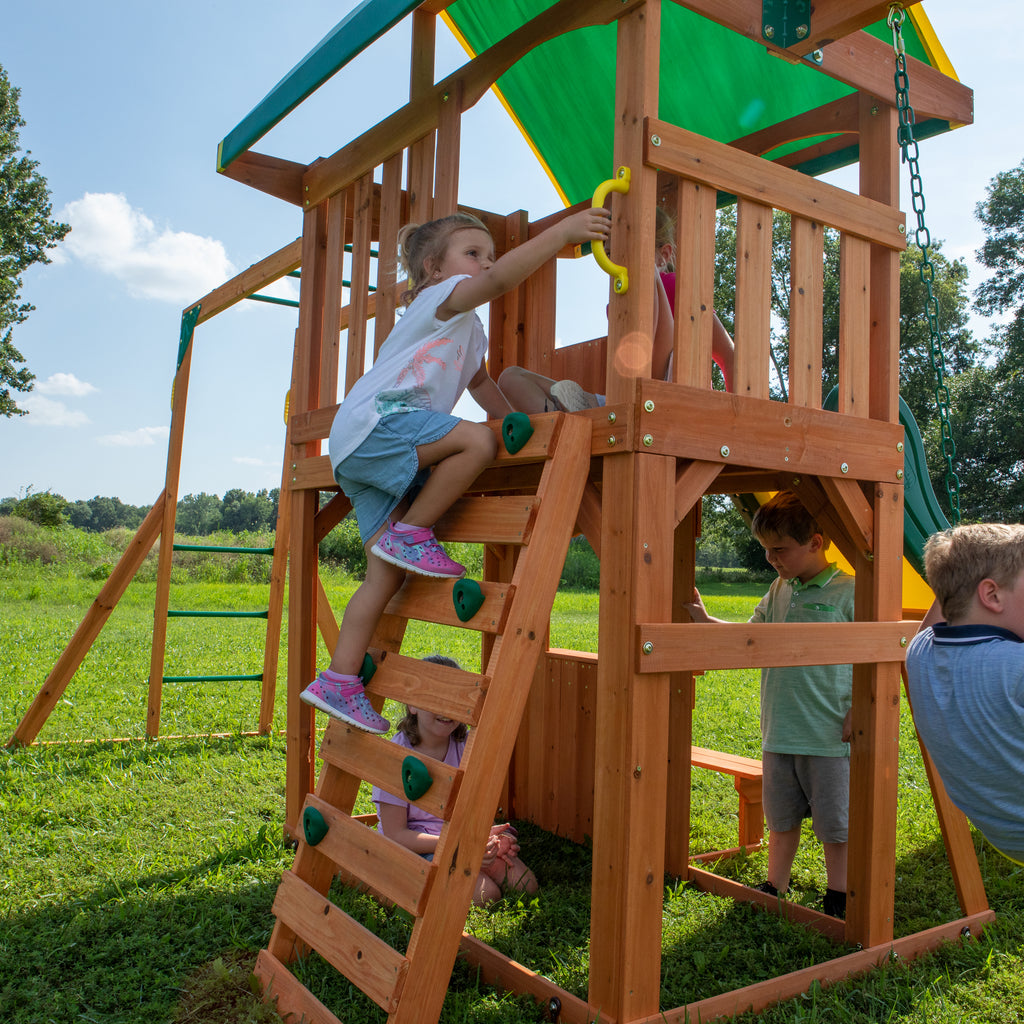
{"points": [[125, 104]]}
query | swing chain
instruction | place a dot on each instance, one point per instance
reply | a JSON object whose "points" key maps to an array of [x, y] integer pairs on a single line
{"points": [[922, 237]]}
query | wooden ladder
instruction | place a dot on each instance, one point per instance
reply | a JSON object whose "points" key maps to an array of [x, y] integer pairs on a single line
{"points": [[547, 477]]}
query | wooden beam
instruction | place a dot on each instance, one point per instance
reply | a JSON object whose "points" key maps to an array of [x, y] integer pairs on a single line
{"points": [[279, 178]]}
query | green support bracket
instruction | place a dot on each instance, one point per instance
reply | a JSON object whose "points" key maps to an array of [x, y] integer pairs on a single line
{"points": [[314, 826], [468, 597], [188, 326], [785, 22], [416, 778], [516, 430]]}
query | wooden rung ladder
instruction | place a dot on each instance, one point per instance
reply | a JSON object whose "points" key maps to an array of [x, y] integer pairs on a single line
{"points": [[547, 477]]}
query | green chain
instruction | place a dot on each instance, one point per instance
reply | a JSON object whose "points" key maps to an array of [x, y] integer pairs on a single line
{"points": [[905, 137]]}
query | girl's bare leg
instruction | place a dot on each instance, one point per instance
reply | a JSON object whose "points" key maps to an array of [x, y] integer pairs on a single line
{"points": [[526, 391]]}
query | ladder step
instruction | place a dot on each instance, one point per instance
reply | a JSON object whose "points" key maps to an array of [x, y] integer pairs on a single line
{"points": [[252, 677], [223, 549], [389, 868], [367, 961], [284, 989], [379, 762], [173, 613], [453, 692], [431, 601], [502, 519]]}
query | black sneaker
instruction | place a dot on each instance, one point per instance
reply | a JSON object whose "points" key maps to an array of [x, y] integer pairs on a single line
{"points": [[834, 903], [767, 887]]}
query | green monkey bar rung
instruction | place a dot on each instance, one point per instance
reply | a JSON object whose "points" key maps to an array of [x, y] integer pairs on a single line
{"points": [[274, 299], [184, 614], [223, 549], [251, 677]]}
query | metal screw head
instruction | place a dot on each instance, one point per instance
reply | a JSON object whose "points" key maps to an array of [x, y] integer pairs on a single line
{"points": [[899, 447], [801, 31], [648, 440], [903, 229], [903, 641], [769, 31], [724, 451], [611, 417], [655, 140], [649, 405], [899, 474], [611, 441], [844, 468], [648, 647]]}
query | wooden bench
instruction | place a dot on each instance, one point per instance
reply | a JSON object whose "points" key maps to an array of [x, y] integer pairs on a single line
{"points": [[746, 773]]}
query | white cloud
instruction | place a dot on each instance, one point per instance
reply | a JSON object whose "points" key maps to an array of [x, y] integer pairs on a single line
{"points": [[45, 412], [64, 384], [117, 239], [135, 438]]}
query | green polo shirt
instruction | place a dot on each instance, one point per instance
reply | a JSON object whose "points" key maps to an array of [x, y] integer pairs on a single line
{"points": [[803, 706]]}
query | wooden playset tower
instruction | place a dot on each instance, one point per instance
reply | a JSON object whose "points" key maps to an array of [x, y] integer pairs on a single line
{"points": [[601, 745]]}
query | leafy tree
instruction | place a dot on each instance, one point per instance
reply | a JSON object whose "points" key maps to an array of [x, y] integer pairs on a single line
{"points": [[198, 514], [26, 232], [43, 508], [244, 510]]}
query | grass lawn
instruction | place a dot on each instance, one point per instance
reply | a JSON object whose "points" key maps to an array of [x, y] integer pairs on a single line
{"points": [[136, 879]]}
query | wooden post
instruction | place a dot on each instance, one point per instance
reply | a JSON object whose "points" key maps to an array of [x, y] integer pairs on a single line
{"points": [[631, 751], [299, 778]]}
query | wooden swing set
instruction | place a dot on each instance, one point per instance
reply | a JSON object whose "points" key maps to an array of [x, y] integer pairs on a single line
{"points": [[582, 744]]}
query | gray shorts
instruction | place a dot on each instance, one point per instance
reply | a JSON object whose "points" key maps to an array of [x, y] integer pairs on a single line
{"points": [[382, 470], [798, 786]]}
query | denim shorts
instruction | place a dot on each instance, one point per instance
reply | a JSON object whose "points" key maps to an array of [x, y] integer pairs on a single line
{"points": [[798, 786], [382, 470]]}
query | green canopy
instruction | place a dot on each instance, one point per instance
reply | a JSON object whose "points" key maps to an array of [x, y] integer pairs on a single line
{"points": [[714, 81]]}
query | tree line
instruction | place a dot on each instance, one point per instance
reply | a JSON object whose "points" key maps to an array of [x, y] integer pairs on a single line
{"points": [[198, 515]]}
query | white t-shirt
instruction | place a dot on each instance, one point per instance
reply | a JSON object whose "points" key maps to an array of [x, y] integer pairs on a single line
{"points": [[425, 363]]}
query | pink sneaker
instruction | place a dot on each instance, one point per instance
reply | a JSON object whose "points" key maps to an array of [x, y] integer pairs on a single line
{"points": [[345, 700], [417, 551]]}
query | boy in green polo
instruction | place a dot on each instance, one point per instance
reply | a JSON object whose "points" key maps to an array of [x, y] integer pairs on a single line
{"points": [[805, 709]]}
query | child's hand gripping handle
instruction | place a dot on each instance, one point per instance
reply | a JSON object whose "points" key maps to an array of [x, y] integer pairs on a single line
{"points": [[620, 183]]}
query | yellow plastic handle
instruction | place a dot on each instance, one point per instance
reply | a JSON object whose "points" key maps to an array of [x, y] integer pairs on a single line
{"points": [[620, 183]]}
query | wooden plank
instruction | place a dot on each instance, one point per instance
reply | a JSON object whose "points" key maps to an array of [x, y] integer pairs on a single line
{"points": [[753, 298], [772, 436], [805, 312], [368, 962], [691, 484], [838, 116], [95, 618], [379, 762], [728, 764], [334, 272], [880, 179], [359, 293], [749, 177], [279, 178], [386, 295], [681, 646], [259, 275], [453, 692], [446, 170], [496, 969], [399, 874], [289, 997], [502, 519], [695, 284], [761, 995], [432, 600], [854, 326], [853, 510]]}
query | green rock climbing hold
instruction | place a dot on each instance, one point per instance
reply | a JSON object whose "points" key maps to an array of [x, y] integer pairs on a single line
{"points": [[516, 430], [416, 778], [314, 827], [369, 667], [467, 598]]}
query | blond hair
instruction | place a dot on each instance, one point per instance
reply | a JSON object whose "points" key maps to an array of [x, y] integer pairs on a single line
{"points": [[958, 559], [785, 516], [665, 234], [420, 244]]}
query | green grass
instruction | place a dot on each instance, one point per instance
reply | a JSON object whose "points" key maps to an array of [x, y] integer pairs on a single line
{"points": [[136, 879]]}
